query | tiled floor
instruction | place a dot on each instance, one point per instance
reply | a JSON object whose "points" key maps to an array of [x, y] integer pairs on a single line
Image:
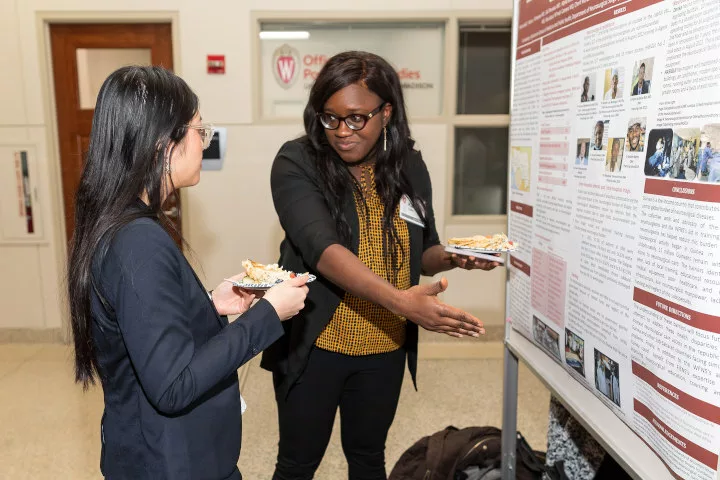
{"points": [[50, 427]]}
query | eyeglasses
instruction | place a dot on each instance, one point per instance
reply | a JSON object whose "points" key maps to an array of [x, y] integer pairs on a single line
{"points": [[206, 132], [355, 122]]}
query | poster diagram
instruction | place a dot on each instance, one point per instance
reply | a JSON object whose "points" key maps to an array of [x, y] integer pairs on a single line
{"points": [[520, 168]]}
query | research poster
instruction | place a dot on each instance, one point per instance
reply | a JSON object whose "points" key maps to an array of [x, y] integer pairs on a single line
{"points": [[615, 204]]}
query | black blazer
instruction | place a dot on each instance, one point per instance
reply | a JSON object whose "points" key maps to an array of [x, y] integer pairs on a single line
{"points": [[645, 88], [168, 362], [309, 230]]}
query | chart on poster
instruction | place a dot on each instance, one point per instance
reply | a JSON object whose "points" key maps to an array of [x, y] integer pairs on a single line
{"points": [[615, 203]]}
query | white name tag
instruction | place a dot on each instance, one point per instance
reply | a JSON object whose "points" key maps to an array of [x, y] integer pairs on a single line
{"points": [[408, 213]]}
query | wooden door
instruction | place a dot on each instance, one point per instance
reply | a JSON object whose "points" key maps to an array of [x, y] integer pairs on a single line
{"points": [[83, 55]]}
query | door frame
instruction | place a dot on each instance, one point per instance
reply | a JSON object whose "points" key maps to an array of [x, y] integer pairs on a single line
{"points": [[43, 19]]}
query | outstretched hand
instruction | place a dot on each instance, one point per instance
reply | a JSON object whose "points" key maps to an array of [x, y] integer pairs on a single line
{"points": [[421, 305]]}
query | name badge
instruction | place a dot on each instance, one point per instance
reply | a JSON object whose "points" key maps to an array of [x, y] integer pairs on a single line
{"points": [[408, 213]]}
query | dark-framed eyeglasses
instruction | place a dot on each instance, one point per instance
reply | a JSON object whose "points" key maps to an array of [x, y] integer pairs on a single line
{"points": [[206, 132], [356, 121]]}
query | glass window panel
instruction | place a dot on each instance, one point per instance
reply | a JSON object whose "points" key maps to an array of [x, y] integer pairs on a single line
{"points": [[293, 54], [94, 65], [480, 179], [484, 70]]}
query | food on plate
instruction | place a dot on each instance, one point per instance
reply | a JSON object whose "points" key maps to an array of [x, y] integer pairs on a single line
{"points": [[258, 273], [497, 242]]}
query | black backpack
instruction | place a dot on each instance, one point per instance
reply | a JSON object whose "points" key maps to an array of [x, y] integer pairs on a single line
{"points": [[473, 453]]}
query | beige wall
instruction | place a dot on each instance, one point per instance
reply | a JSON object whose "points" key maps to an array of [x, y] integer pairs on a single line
{"points": [[222, 226]]}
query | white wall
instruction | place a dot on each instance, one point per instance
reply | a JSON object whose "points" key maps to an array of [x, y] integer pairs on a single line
{"points": [[220, 227]]}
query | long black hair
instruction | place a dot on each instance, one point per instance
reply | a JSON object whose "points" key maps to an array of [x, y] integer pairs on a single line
{"points": [[140, 115], [378, 76]]}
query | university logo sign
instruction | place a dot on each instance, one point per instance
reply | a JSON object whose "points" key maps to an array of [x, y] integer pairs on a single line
{"points": [[286, 65]]}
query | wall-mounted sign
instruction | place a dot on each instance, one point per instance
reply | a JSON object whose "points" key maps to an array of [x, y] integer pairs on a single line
{"points": [[291, 62]]}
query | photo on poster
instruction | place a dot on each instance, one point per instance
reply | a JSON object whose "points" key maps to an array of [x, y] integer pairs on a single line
{"points": [[636, 135], [657, 157], [546, 337], [607, 377], [587, 88], [642, 76], [582, 151], [684, 153], [520, 168], [613, 161], [709, 153], [599, 135], [575, 352], [614, 81]]}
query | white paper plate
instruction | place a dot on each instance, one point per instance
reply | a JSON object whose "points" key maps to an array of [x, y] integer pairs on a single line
{"points": [[472, 253], [483, 250], [265, 286]]}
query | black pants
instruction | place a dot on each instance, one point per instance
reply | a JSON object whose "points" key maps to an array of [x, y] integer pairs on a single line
{"points": [[365, 388]]}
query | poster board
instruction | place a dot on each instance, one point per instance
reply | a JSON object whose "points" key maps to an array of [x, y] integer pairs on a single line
{"points": [[615, 133]]}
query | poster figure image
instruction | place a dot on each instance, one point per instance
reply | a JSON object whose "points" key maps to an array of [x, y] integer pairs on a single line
{"points": [[635, 135], [548, 338], [684, 153], [582, 151], [575, 352], [613, 161], [709, 154], [587, 89], [607, 377], [659, 148], [642, 75], [613, 83], [599, 135], [520, 168]]}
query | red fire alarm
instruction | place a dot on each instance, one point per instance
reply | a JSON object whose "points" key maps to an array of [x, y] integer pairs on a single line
{"points": [[216, 64]]}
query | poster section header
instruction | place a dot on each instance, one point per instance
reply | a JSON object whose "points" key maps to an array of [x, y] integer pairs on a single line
{"points": [[544, 21]]}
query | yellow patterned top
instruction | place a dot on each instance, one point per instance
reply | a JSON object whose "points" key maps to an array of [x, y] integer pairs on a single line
{"points": [[360, 327]]}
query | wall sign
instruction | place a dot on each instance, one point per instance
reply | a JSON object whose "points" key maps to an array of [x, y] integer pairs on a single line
{"points": [[291, 63]]}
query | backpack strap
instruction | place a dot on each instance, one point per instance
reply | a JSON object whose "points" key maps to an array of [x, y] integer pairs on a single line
{"points": [[482, 445]]}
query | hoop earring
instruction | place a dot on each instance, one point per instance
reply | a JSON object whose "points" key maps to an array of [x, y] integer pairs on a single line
{"points": [[385, 139]]}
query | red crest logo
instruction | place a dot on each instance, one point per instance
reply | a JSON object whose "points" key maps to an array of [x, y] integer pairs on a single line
{"points": [[286, 65]]}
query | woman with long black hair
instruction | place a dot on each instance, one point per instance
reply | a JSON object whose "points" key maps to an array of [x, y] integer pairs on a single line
{"points": [[142, 322], [355, 201]]}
